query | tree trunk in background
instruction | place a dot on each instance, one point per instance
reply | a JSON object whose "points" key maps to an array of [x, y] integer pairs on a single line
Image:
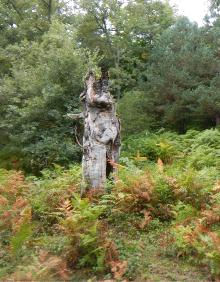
{"points": [[49, 10], [101, 140], [217, 120]]}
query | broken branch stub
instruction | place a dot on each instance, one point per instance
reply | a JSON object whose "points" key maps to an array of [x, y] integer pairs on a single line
{"points": [[101, 140]]}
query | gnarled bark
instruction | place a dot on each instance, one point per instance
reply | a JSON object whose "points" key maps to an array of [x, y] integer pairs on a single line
{"points": [[101, 140]]}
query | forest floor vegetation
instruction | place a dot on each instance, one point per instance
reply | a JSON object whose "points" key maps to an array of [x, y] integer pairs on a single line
{"points": [[159, 220]]}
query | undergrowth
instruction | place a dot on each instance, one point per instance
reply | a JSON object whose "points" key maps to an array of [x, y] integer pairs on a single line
{"points": [[166, 192]]}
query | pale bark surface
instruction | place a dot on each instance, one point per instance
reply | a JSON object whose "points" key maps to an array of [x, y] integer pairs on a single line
{"points": [[101, 140]]}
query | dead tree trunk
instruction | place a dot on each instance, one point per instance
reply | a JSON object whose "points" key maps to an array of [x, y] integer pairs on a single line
{"points": [[101, 140]]}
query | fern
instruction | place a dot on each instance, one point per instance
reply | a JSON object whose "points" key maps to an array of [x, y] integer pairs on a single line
{"points": [[19, 239]]}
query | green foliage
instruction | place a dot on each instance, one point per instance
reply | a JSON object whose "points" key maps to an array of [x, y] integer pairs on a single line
{"points": [[184, 211], [183, 190], [82, 227], [17, 241], [19, 20], [131, 109], [123, 34], [34, 114], [164, 73], [180, 83], [153, 146], [50, 191], [44, 59], [44, 219]]}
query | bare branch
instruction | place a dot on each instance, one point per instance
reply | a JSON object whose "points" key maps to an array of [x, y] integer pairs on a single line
{"points": [[74, 116], [77, 140], [16, 9]]}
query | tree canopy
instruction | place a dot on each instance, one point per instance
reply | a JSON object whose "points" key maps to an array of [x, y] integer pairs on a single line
{"points": [[164, 71]]}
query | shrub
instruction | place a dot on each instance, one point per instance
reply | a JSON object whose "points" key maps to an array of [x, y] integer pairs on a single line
{"points": [[15, 219], [15, 209], [162, 146], [88, 234], [83, 227], [132, 192], [197, 232], [51, 190]]}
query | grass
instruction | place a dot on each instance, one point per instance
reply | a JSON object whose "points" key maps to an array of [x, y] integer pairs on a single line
{"points": [[148, 262]]}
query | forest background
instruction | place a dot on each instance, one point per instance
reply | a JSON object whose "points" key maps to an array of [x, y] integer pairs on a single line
{"points": [[164, 72], [159, 220]]}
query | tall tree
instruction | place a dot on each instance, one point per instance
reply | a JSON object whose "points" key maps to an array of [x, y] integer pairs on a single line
{"points": [[182, 89], [183, 61], [27, 19], [45, 81], [124, 33]]}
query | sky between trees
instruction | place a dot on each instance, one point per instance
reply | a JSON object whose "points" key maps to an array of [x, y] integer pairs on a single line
{"points": [[195, 10]]}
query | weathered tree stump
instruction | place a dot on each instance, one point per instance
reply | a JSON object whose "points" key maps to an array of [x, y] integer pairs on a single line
{"points": [[101, 140]]}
